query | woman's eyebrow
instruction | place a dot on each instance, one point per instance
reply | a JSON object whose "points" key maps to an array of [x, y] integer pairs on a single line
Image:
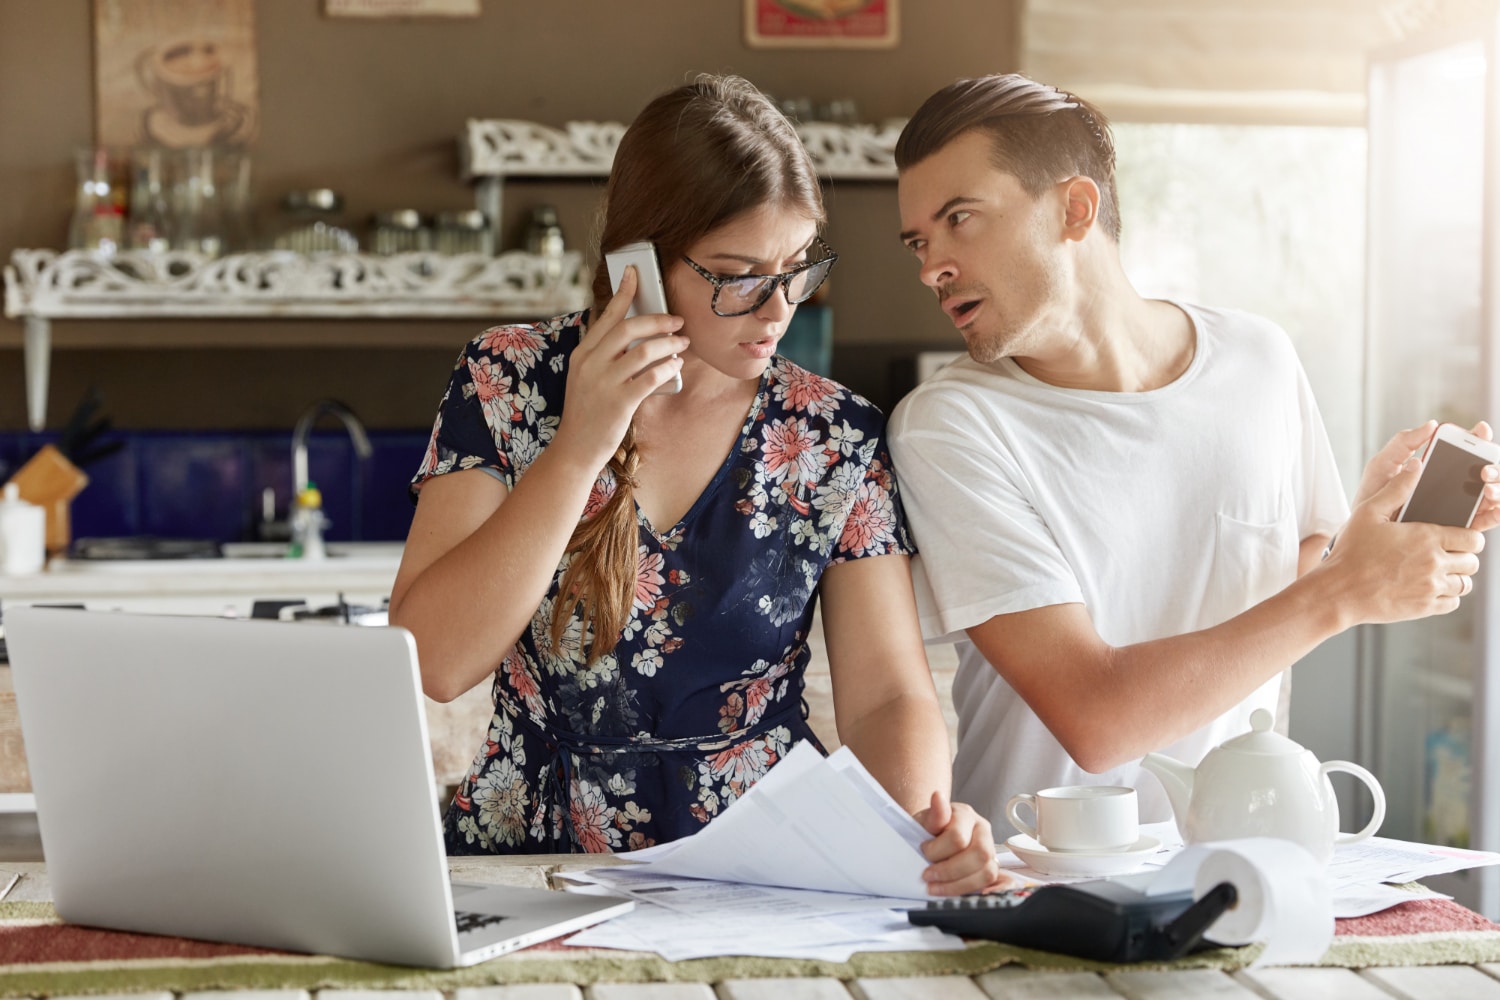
{"points": [[752, 261]]}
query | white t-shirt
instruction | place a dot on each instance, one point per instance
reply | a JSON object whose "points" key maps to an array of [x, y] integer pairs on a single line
{"points": [[1162, 512]]}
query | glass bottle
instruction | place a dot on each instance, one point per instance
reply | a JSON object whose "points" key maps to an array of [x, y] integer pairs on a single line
{"points": [[232, 170], [98, 222], [200, 224], [147, 224]]}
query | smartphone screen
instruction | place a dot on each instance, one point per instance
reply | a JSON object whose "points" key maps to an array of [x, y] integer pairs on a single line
{"points": [[1449, 488]]}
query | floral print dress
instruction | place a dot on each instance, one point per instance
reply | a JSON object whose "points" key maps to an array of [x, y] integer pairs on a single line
{"points": [[703, 693]]}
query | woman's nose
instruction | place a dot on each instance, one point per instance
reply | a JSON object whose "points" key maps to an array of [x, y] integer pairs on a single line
{"points": [[777, 307]]}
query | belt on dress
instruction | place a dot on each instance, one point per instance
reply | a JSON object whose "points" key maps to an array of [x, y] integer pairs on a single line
{"points": [[565, 745]]}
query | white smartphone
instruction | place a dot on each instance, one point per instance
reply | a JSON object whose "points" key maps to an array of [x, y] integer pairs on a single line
{"points": [[650, 292], [1450, 486]]}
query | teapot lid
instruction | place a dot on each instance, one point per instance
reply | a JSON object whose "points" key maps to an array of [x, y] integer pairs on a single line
{"points": [[1260, 739]]}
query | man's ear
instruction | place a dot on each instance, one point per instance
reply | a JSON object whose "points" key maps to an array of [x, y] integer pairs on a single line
{"points": [[1081, 198]]}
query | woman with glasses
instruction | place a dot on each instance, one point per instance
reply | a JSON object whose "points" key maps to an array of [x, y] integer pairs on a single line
{"points": [[639, 569]]}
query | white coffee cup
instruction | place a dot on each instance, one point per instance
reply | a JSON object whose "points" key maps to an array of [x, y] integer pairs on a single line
{"points": [[1078, 818]]}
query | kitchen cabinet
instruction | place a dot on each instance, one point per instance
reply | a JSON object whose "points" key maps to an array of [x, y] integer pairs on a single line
{"points": [[43, 286]]}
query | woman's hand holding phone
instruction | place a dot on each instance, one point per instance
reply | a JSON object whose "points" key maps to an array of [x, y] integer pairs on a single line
{"points": [[618, 363]]}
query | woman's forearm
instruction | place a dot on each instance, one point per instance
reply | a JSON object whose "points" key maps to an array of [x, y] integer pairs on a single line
{"points": [[471, 604], [904, 746]]}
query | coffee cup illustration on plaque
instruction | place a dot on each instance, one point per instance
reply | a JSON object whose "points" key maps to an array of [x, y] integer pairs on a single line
{"points": [[190, 82]]}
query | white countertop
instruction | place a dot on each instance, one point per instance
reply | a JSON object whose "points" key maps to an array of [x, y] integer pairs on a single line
{"points": [[363, 570]]}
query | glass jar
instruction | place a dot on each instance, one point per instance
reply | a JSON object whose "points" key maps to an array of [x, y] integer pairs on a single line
{"points": [[463, 232], [399, 231], [312, 223], [544, 237]]}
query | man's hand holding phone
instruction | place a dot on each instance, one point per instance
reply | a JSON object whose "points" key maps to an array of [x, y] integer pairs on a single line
{"points": [[1458, 468], [1394, 571]]}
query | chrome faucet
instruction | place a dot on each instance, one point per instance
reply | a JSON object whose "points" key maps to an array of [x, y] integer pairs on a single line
{"points": [[297, 518], [304, 427]]}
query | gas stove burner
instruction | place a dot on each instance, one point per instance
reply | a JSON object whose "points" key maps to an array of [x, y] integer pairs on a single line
{"points": [[144, 547]]}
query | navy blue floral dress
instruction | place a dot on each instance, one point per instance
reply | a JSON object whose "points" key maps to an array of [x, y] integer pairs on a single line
{"points": [[703, 693]]}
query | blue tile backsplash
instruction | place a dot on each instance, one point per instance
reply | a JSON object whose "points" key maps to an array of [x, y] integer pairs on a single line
{"points": [[208, 485], [178, 484]]}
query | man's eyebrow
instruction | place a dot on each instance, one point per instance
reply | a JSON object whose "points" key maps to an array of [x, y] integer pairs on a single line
{"points": [[948, 206]]}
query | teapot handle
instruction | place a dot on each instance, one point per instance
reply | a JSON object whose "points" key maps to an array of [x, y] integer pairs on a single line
{"points": [[1376, 792]]}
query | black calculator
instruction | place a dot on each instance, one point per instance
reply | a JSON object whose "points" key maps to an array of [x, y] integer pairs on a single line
{"points": [[1103, 920]]}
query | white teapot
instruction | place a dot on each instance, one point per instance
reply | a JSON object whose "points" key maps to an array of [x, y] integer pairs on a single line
{"points": [[1262, 784]]}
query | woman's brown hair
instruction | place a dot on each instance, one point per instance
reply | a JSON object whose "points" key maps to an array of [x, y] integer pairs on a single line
{"points": [[696, 158]]}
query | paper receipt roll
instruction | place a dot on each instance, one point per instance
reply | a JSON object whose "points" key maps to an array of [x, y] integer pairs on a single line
{"points": [[1283, 895]]}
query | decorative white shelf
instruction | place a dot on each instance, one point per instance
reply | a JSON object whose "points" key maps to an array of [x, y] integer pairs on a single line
{"points": [[502, 147], [494, 149], [85, 284], [44, 285]]}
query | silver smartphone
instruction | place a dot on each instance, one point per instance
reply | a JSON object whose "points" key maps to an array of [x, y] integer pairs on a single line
{"points": [[650, 292], [1451, 484]]}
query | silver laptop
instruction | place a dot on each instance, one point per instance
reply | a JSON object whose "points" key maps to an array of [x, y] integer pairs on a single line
{"points": [[262, 783]]}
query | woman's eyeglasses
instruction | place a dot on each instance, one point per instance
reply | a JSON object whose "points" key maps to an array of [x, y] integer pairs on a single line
{"points": [[740, 295]]}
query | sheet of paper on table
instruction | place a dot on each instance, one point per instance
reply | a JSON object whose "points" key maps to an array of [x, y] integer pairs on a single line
{"points": [[681, 918], [1359, 875]]}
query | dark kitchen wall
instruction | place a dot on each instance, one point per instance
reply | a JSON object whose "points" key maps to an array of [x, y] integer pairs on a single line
{"points": [[373, 109]]}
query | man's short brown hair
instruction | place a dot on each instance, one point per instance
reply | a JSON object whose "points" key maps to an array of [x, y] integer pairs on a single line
{"points": [[1038, 133]]}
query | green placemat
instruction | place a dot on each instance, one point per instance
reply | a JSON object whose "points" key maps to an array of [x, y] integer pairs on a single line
{"points": [[276, 970]]}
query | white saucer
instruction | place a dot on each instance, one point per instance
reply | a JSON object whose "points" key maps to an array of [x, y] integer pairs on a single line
{"points": [[1082, 863]]}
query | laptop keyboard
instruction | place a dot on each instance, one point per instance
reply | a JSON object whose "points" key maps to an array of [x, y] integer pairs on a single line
{"points": [[469, 922]]}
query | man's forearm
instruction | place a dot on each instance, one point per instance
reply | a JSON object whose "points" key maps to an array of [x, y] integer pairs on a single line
{"points": [[1109, 705]]}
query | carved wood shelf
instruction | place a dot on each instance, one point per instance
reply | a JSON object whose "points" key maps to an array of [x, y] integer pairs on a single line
{"points": [[502, 147]]}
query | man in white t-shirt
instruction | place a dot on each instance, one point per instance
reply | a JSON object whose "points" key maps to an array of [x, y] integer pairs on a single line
{"points": [[1123, 507]]}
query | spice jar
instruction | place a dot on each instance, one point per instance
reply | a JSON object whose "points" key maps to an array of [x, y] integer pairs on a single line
{"points": [[399, 231], [463, 232], [312, 223]]}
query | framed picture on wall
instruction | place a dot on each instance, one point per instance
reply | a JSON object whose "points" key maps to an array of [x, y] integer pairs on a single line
{"points": [[175, 73], [822, 24]]}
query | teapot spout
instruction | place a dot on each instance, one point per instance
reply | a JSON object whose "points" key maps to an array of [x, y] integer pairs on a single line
{"points": [[1177, 778]]}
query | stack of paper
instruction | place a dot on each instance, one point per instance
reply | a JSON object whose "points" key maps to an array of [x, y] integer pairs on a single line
{"points": [[816, 860]]}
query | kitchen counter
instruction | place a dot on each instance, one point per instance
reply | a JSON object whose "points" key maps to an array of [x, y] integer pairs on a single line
{"points": [[363, 571], [360, 573]]}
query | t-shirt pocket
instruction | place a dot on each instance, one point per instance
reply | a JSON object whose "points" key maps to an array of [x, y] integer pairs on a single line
{"points": [[1252, 561]]}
